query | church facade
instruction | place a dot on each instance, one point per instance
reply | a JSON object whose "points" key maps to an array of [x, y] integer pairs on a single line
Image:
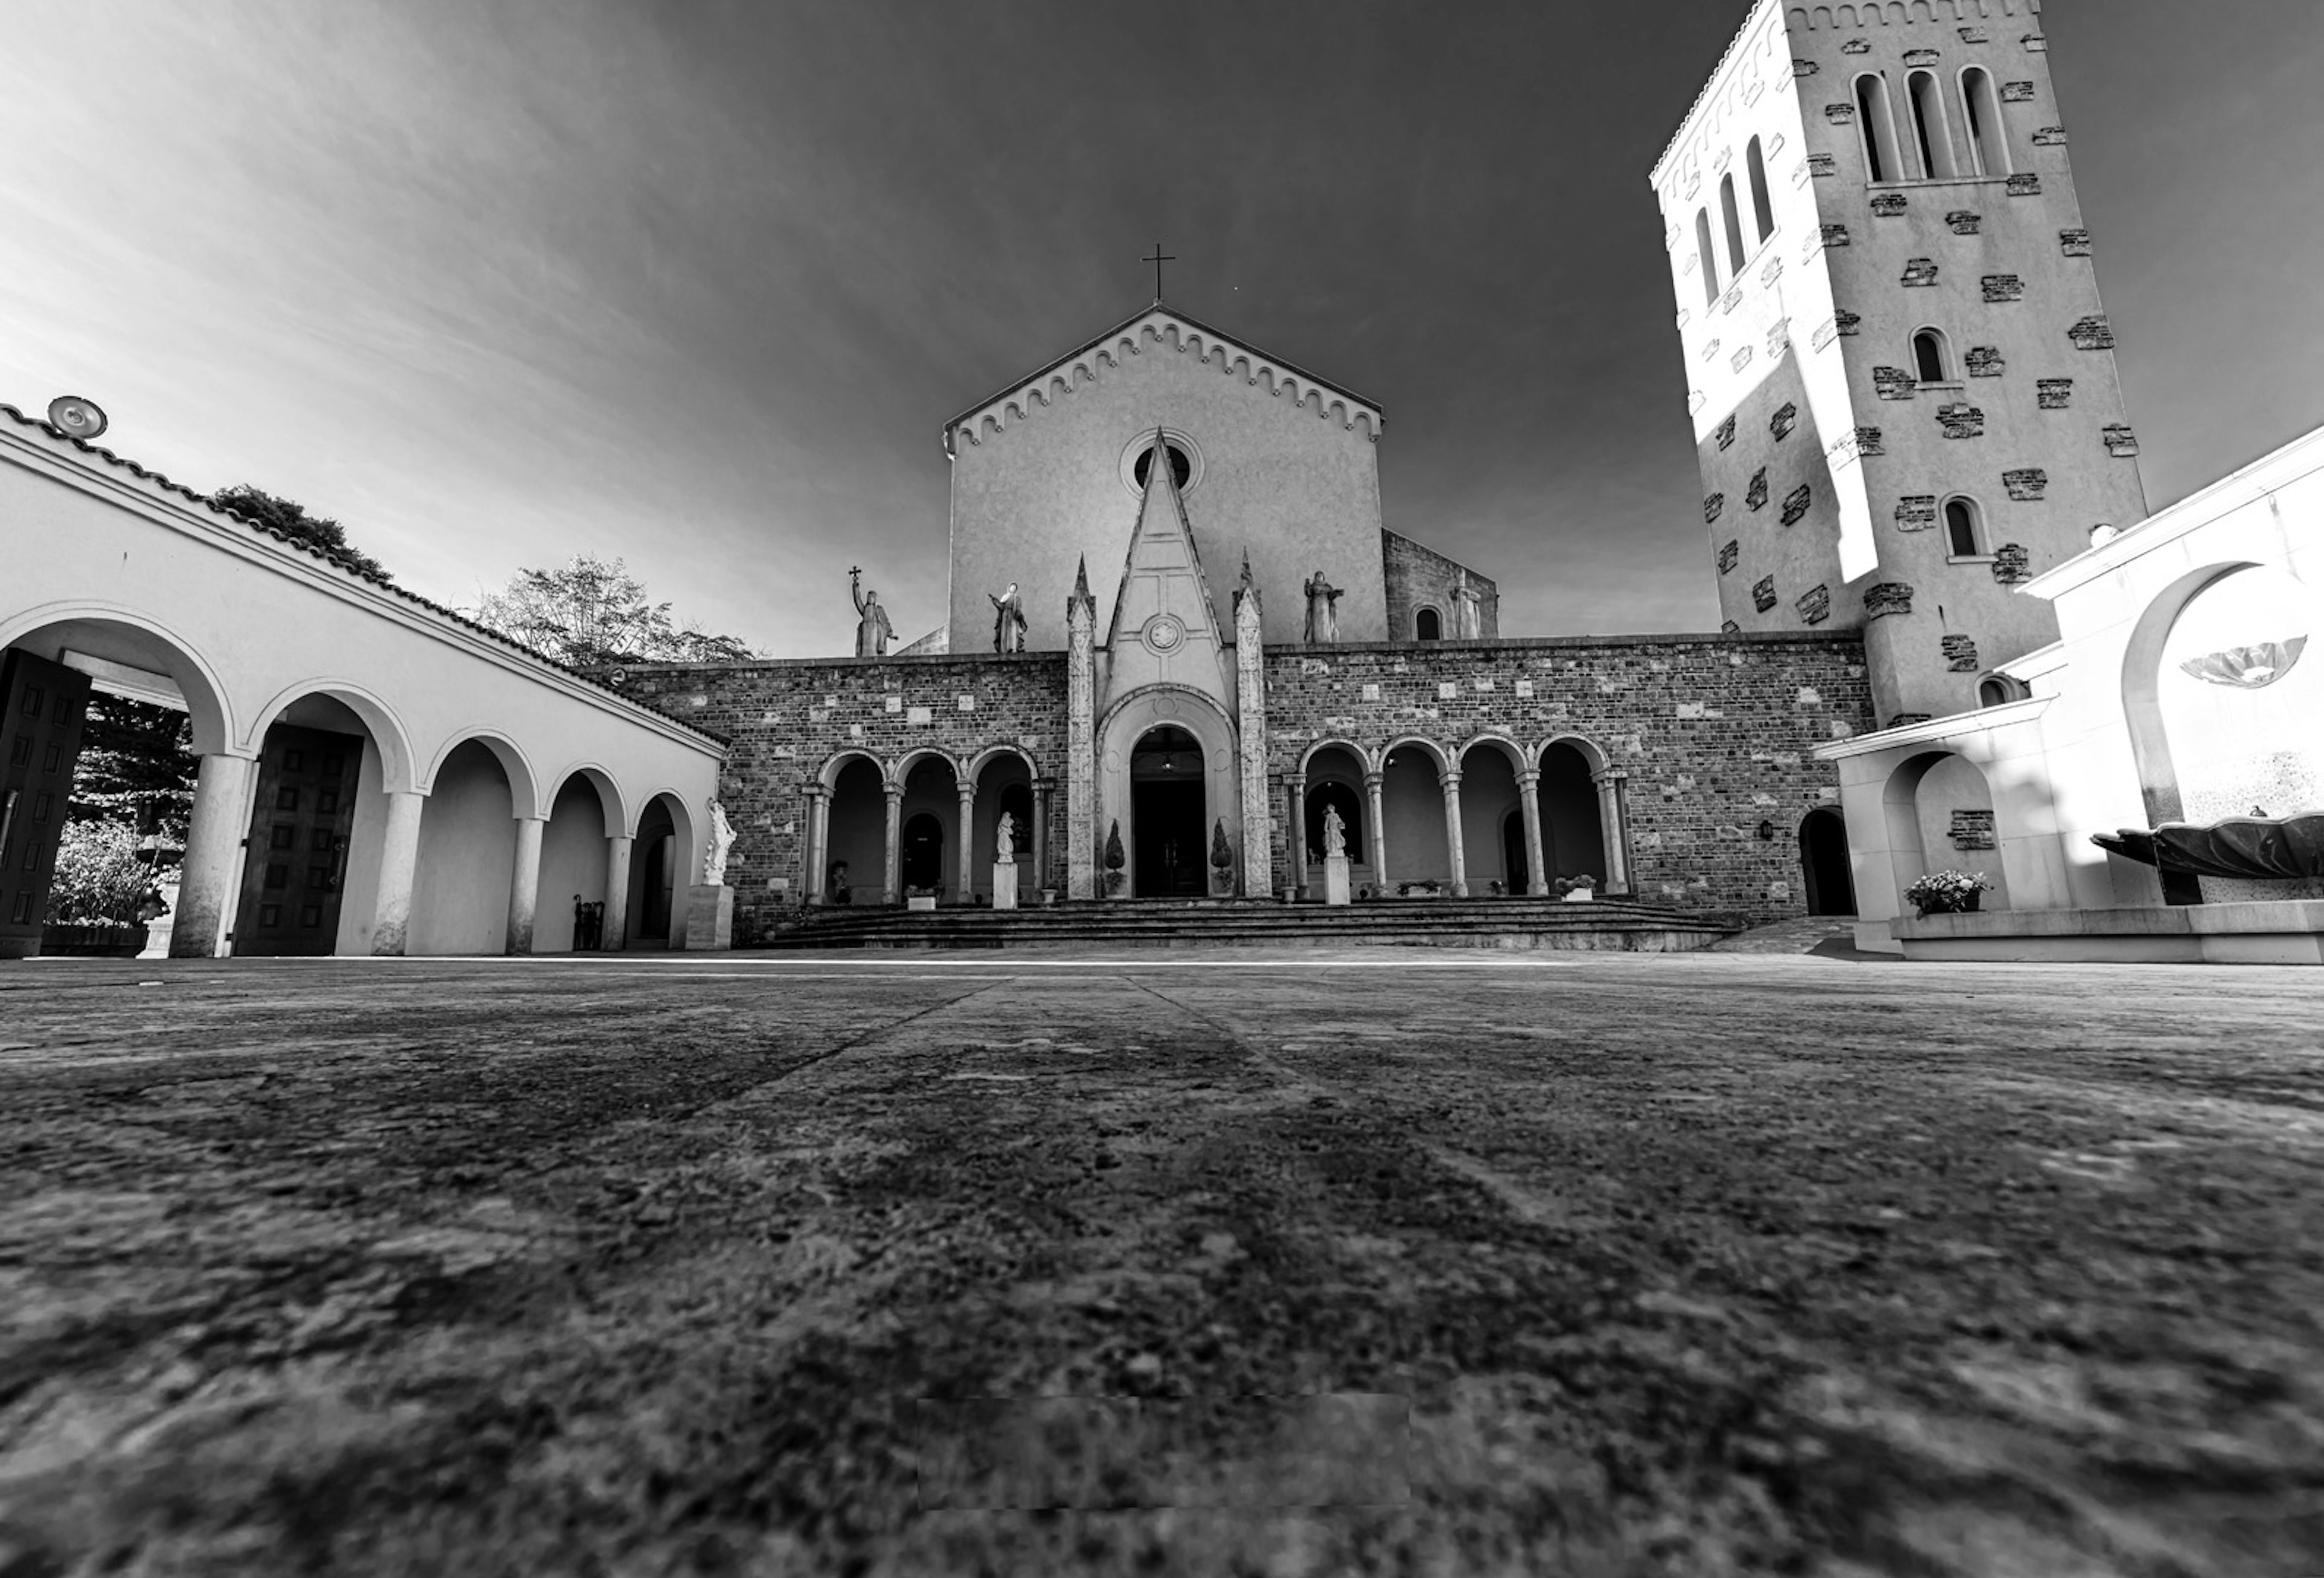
{"points": [[1220, 641]]}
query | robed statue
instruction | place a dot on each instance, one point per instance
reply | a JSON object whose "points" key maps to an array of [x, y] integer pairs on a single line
{"points": [[871, 629], [1467, 609], [1004, 839], [1008, 621], [722, 839], [1336, 833], [1322, 609]]}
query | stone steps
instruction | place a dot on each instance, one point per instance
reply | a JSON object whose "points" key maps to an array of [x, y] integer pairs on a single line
{"points": [[1605, 925]]}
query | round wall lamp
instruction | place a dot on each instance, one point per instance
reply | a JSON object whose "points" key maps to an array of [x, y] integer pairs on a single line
{"points": [[1767, 832]]}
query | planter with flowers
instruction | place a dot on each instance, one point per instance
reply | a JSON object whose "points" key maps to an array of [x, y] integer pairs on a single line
{"points": [[1946, 893]]}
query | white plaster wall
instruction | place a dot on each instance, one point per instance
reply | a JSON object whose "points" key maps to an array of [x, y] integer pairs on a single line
{"points": [[120, 567], [574, 859], [1297, 489], [467, 856]]}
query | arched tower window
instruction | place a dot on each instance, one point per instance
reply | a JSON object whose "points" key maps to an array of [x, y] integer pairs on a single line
{"points": [[1989, 138], [1735, 253], [1429, 626], [1964, 529], [1709, 257], [1933, 357], [1932, 135], [1879, 124], [1763, 207]]}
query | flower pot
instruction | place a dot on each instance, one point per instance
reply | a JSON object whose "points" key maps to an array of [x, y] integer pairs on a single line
{"points": [[1968, 904]]}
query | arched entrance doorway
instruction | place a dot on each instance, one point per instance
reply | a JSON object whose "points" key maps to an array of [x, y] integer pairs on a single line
{"points": [[661, 865], [1166, 812], [316, 815], [923, 855], [1823, 857], [1513, 853], [1573, 828]]}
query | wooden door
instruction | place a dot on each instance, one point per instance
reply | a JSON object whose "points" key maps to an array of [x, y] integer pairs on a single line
{"points": [[300, 818], [41, 708]]}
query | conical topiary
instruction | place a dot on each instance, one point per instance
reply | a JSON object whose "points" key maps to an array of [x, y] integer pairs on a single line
{"points": [[1222, 856], [1114, 857]]}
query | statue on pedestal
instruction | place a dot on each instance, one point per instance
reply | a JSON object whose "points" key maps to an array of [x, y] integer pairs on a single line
{"points": [[1008, 621], [1322, 609], [722, 839], [873, 629], [1467, 609], [1336, 833], [1004, 838]]}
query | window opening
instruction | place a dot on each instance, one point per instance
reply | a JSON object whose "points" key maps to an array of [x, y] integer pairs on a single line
{"points": [[1763, 207], [1988, 143], [1429, 626], [1993, 693], [1709, 257], [1929, 127], [1931, 363], [1181, 468], [1879, 127], [1960, 528], [1735, 253]]}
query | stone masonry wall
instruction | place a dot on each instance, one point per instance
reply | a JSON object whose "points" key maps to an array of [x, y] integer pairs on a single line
{"points": [[1714, 731], [788, 717], [1416, 576]]}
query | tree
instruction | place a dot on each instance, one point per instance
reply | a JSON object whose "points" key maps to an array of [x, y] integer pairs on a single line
{"points": [[99, 874], [290, 517], [137, 766], [594, 611]]}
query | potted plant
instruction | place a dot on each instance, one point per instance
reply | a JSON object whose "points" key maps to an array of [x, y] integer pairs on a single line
{"points": [[1115, 877], [1946, 893], [1577, 890], [1222, 862]]}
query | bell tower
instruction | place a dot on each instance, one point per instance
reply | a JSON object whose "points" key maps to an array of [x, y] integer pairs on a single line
{"points": [[1901, 377]]}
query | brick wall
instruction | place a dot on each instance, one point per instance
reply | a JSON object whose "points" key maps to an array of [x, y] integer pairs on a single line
{"points": [[1417, 576], [1715, 732]]}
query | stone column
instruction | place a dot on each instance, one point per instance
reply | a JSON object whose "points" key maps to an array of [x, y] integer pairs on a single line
{"points": [[1250, 719], [1379, 834], [1529, 798], [968, 842], [524, 884], [617, 891], [1453, 845], [1295, 850], [1043, 790], [210, 877], [1082, 831], [818, 842], [399, 870], [892, 867], [1613, 808]]}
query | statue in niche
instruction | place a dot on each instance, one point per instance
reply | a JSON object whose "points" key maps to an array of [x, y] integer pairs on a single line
{"points": [[1467, 609], [1004, 839], [1322, 609], [722, 839], [873, 629], [1008, 621], [1335, 834]]}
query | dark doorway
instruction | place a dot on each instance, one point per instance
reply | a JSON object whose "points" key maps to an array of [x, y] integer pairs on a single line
{"points": [[1823, 855], [1166, 814], [923, 852], [1513, 854], [300, 818], [653, 903], [42, 705]]}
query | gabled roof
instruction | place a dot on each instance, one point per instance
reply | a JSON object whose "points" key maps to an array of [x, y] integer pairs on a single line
{"points": [[451, 616], [1017, 398]]}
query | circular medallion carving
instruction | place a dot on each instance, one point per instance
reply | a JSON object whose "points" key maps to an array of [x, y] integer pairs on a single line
{"points": [[1163, 634]]}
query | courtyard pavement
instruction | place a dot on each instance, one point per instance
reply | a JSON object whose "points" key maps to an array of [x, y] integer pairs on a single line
{"points": [[1385, 1262]]}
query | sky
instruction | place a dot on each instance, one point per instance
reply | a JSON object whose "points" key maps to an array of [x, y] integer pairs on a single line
{"points": [[697, 284]]}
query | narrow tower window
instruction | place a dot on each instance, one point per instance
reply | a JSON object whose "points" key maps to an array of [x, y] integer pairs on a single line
{"points": [[1763, 208], [1879, 128], [1994, 693], [1709, 257], [1930, 131], [1989, 138], [1735, 253], [1932, 359], [1963, 537]]}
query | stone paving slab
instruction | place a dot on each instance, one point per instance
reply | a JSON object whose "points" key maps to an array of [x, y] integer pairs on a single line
{"points": [[1360, 1263]]}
